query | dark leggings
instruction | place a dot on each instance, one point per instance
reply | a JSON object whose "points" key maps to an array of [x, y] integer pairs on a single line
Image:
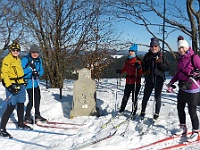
{"points": [[147, 93], [8, 112], [191, 99], [37, 98], [127, 91]]}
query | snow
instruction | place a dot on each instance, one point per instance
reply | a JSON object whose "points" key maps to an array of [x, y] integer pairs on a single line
{"points": [[108, 96]]}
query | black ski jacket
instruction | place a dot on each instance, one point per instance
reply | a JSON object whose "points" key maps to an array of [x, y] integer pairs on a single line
{"points": [[154, 66]]}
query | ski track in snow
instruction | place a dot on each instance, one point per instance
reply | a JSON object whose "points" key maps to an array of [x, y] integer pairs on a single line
{"points": [[108, 96]]}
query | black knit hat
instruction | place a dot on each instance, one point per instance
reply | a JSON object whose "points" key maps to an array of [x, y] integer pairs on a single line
{"points": [[154, 42], [34, 48]]}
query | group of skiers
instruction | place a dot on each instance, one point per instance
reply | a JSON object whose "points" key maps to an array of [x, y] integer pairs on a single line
{"points": [[21, 75], [153, 67], [18, 76]]}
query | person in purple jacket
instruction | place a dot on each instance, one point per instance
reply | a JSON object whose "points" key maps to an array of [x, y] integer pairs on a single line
{"points": [[188, 88]]}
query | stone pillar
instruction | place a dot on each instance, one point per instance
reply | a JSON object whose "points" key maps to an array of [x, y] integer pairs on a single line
{"points": [[84, 95]]}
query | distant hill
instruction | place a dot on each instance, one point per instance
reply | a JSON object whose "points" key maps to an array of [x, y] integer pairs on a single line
{"points": [[121, 53], [22, 54]]}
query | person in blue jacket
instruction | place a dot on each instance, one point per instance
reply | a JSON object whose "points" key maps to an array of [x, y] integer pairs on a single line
{"points": [[33, 69]]}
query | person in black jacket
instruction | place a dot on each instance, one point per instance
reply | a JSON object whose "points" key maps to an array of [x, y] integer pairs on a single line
{"points": [[154, 66]]}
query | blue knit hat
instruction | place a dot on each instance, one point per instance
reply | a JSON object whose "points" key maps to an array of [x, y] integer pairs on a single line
{"points": [[134, 48]]}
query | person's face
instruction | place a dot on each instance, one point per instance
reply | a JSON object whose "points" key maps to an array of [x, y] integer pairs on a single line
{"points": [[131, 53], [155, 49], [182, 50], [34, 54], [15, 52]]}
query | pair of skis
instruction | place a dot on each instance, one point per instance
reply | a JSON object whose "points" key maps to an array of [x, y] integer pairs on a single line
{"points": [[57, 125], [95, 139], [172, 137], [131, 117]]}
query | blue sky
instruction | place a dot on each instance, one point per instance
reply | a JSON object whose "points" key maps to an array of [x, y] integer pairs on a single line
{"points": [[138, 34]]}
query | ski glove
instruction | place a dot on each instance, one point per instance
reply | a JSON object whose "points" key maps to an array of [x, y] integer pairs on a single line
{"points": [[32, 65], [35, 73], [158, 60], [118, 71], [196, 74], [13, 89], [138, 66]]}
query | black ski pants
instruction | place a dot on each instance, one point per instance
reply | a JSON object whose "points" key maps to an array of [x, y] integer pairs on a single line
{"points": [[191, 99], [157, 95], [37, 97], [8, 112], [127, 91]]}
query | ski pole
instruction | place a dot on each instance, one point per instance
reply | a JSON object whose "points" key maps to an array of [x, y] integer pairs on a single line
{"points": [[116, 93], [6, 100], [195, 82], [33, 98], [154, 80], [134, 103], [117, 76]]}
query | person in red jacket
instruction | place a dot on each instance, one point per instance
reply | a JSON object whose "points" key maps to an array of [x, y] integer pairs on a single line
{"points": [[133, 68]]}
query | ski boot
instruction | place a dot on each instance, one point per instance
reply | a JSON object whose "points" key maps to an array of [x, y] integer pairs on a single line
{"points": [[194, 136], [182, 130], [24, 127], [39, 118], [142, 114], [28, 119], [4, 133], [155, 116]]}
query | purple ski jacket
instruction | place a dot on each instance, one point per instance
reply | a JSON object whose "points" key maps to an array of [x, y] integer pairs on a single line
{"points": [[185, 69]]}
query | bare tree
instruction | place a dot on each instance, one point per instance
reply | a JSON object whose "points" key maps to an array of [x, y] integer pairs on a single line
{"points": [[10, 27], [63, 29], [176, 18]]}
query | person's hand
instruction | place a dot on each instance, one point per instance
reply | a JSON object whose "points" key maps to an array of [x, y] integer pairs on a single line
{"points": [[196, 74], [170, 88], [168, 85], [13, 89], [32, 65], [138, 66], [158, 60], [118, 71], [35, 73]]}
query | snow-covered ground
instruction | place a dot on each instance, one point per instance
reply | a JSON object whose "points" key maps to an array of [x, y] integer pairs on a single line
{"points": [[58, 110]]}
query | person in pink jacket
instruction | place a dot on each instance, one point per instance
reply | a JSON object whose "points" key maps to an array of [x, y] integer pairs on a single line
{"points": [[188, 78]]}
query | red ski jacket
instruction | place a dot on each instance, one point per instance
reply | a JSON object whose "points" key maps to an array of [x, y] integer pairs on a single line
{"points": [[133, 74]]}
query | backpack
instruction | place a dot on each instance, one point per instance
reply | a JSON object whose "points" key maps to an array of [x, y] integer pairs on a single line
{"points": [[193, 64], [195, 68], [192, 61]]}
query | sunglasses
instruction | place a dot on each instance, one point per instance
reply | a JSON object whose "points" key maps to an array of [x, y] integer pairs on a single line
{"points": [[15, 50]]}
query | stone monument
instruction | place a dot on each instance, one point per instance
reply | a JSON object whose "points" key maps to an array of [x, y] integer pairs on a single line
{"points": [[84, 95]]}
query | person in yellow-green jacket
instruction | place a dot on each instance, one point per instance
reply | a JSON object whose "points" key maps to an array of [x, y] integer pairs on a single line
{"points": [[12, 78]]}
